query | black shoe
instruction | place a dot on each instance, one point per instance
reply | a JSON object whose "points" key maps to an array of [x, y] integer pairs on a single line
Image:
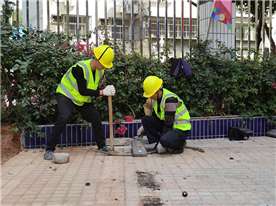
{"points": [[104, 149], [177, 151]]}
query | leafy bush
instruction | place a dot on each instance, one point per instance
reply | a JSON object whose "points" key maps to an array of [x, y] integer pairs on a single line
{"points": [[32, 67]]}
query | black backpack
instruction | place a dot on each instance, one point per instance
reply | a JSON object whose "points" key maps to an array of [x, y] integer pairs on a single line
{"points": [[239, 133]]}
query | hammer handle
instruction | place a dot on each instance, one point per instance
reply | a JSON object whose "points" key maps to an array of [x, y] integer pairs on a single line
{"points": [[110, 123]]}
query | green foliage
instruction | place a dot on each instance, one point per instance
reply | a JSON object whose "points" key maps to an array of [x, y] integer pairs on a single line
{"points": [[33, 65]]}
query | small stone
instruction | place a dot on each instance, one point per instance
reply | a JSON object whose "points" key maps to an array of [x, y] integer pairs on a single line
{"points": [[116, 199], [114, 179], [231, 158], [10, 173], [87, 184], [184, 194], [25, 150], [34, 151]]}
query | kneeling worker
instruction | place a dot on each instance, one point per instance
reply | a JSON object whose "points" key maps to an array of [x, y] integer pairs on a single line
{"points": [[169, 123]]}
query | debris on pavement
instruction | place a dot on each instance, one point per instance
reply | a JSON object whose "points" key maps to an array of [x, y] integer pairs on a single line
{"points": [[146, 179], [152, 202]]}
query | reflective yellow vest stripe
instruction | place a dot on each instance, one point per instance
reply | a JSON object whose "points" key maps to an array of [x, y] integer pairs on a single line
{"points": [[182, 116], [69, 87]]}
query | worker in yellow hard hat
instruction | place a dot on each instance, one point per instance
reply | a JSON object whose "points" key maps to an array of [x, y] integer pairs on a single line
{"points": [[169, 124], [77, 85]]}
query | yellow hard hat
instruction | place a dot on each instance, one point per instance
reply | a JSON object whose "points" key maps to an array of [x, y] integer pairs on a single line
{"points": [[105, 55], [151, 85]]}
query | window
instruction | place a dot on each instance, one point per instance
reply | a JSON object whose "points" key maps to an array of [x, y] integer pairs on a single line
{"points": [[119, 28], [73, 25]]}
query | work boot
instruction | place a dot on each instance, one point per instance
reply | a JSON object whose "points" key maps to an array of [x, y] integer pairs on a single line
{"points": [[179, 150], [104, 149], [161, 149], [48, 155]]}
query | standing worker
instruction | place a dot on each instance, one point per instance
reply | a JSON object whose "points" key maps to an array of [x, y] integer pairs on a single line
{"points": [[169, 123], [77, 85]]}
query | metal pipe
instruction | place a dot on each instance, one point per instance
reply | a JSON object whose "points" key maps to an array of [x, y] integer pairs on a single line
{"points": [[174, 31], [241, 29], [141, 27]]}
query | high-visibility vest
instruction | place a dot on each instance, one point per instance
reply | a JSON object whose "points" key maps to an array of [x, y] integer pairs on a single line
{"points": [[69, 87], [182, 116]]}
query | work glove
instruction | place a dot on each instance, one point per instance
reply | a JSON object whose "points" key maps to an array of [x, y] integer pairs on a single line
{"points": [[140, 132], [109, 90]]}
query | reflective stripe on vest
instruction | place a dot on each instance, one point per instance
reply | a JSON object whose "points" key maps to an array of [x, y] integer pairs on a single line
{"points": [[68, 85], [181, 119], [68, 93]]}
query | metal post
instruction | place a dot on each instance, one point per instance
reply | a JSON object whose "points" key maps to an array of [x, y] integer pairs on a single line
{"points": [[182, 28], [132, 26], [166, 22], [28, 18], [190, 24], [256, 25], [67, 17], [48, 15], [198, 15], [58, 29], [37, 14], [149, 29], [141, 27], [158, 36], [124, 27], [241, 29], [17, 16], [249, 39], [96, 22], [270, 26], [87, 25], [174, 31], [105, 17], [78, 20], [263, 30], [114, 22]]}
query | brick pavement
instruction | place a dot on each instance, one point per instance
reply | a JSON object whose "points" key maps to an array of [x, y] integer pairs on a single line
{"points": [[210, 178]]}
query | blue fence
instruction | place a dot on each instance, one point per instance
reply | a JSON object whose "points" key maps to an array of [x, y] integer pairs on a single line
{"points": [[79, 135]]}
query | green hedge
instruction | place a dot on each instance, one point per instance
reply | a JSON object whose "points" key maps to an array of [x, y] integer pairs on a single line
{"points": [[33, 65]]}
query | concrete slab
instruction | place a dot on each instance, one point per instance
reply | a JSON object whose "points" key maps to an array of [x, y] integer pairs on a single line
{"points": [[228, 173]]}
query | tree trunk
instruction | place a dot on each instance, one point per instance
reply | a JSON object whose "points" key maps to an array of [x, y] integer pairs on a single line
{"points": [[272, 45], [259, 31]]}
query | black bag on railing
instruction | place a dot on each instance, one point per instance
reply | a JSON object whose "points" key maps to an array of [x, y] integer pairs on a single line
{"points": [[239, 133]]}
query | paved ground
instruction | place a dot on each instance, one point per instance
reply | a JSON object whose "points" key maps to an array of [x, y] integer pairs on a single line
{"points": [[210, 178]]}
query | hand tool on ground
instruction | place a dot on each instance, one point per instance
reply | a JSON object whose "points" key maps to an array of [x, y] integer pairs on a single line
{"points": [[110, 123]]}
